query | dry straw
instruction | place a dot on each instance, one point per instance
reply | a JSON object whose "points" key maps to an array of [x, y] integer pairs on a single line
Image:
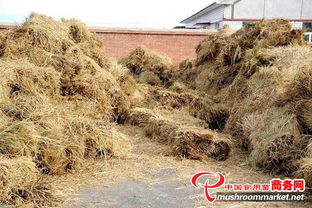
{"points": [[58, 94], [260, 77], [149, 67], [187, 137]]}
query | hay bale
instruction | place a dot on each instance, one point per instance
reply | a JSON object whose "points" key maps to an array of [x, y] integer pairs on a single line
{"points": [[77, 66], [169, 99], [58, 94], [186, 64], [304, 115], [160, 129], [189, 76], [172, 100], [300, 87], [141, 116], [269, 84], [209, 48], [257, 94], [260, 78], [273, 85], [44, 41], [214, 114], [261, 34], [141, 97], [142, 60], [32, 93], [18, 139], [150, 78], [225, 55], [123, 77], [304, 166], [60, 144], [305, 170], [178, 87], [274, 139], [199, 144], [187, 141], [21, 184], [24, 86], [72, 141], [275, 100], [187, 72], [73, 51]]}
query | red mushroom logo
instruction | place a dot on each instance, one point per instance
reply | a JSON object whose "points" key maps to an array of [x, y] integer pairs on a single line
{"points": [[206, 186]]}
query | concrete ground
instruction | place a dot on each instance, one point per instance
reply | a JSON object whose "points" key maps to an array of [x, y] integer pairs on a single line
{"points": [[132, 194]]}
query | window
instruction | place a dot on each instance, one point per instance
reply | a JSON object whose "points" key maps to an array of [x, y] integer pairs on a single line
{"points": [[308, 37], [307, 26]]}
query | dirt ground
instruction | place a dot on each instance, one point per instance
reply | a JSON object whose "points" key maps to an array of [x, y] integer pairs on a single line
{"points": [[147, 178]]}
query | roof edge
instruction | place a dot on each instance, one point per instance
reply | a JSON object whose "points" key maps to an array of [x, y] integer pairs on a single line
{"points": [[218, 2], [197, 13]]}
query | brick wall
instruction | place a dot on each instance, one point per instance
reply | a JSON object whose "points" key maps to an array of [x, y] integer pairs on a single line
{"points": [[176, 44]]}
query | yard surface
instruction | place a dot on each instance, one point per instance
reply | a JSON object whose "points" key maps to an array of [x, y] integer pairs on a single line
{"points": [[146, 178]]}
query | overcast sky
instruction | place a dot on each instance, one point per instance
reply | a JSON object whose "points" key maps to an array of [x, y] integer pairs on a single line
{"points": [[109, 13]]}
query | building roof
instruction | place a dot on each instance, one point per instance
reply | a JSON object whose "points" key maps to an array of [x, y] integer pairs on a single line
{"points": [[212, 6]]}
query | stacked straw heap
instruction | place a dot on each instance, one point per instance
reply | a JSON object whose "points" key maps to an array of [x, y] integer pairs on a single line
{"points": [[58, 96]]}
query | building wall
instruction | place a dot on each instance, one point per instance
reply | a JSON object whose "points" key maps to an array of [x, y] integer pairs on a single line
{"points": [[258, 9], [213, 26], [236, 25], [227, 11], [290, 9], [249, 9], [307, 9], [176, 44], [297, 25], [213, 16]]}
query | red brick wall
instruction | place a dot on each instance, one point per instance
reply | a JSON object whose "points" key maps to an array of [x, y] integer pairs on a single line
{"points": [[176, 44]]}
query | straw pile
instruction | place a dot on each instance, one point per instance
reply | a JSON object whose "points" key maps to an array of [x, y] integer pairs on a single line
{"points": [[149, 67], [58, 94], [76, 54], [275, 111], [199, 144], [189, 142], [219, 57], [260, 77], [21, 184], [178, 87], [140, 116], [187, 137], [169, 122], [163, 110], [305, 170], [171, 99], [160, 129]]}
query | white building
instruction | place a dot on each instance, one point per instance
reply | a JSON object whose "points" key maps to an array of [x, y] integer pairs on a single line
{"points": [[237, 13]]}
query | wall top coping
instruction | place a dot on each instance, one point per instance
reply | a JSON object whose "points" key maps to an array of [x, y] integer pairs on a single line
{"points": [[111, 30]]}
